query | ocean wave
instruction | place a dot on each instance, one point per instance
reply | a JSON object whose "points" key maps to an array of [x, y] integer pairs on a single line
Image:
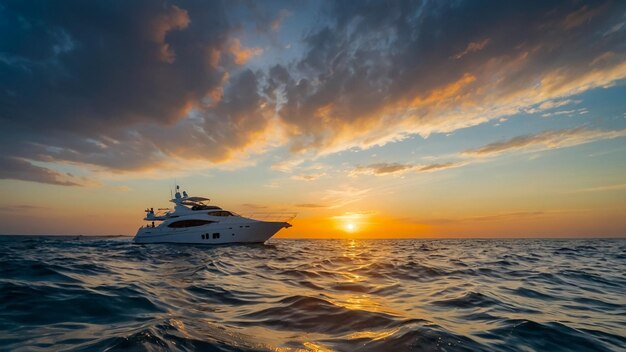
{"points": [[517, 334], [92, 294]]}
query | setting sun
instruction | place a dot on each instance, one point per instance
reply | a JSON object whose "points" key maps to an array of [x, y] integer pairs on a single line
{"points": [[351, 221], [313, 175]]}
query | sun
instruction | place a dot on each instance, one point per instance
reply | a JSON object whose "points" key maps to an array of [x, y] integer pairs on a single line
{"points": [[350, 222]]}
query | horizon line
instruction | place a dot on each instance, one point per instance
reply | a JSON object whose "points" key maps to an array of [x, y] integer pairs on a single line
{"points": [[583, 237]]}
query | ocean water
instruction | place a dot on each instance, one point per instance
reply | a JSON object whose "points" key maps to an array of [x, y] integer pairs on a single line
{"points": [[97, 294]]}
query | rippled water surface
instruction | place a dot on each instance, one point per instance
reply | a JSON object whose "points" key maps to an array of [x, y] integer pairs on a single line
{"points": [[376, 295]]}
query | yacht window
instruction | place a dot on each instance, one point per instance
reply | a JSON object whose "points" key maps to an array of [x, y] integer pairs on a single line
{"points": [[221, 213], [189, 223], [216, 235]]}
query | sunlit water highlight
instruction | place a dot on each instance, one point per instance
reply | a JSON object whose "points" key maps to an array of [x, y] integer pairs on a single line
{"points": [[376, 295]]}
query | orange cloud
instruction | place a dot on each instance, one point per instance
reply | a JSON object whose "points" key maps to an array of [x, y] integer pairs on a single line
{"points": [[445, 93], [472, 99], [214, 55], [240, 53]]}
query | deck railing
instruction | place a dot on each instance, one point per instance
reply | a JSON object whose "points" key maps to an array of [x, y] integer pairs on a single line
{"points": [[271, 216]]}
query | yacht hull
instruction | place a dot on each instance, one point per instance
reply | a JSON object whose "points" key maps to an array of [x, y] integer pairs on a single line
{"points": [[213, 234]]}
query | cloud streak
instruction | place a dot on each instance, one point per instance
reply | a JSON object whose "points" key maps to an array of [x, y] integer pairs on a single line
{"points": [[498, 217], [308, 177], [382, 169], [472, 47], [310, 205], [19, 169], [614, 187], [546, 140]]}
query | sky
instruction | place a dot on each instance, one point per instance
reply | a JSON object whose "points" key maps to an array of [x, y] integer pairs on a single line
{"points": [[370, 119]]}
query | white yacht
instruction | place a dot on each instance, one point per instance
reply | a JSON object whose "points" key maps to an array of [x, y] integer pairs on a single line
{"points": [[194, 221]]}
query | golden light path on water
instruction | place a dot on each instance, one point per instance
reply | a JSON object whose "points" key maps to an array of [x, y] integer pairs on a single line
{"points": [[315, 295]]}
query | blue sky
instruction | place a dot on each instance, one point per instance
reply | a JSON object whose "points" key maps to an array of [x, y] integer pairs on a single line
{"points": [[407, 118]]}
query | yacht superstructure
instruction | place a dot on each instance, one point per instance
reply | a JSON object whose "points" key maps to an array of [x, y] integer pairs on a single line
{"points": [[194, 221]]}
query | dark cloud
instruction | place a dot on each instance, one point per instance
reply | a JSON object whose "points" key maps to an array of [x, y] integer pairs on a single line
{"points": [[17, 169], [91, 66], [219, 133], [79, 78], [122, 85]]}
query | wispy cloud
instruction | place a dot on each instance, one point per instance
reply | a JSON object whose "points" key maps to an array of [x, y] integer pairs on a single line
{"points": [[22, 208], [503, 216], [546, 140], [310, 205], [276, 23], [441, 166], [553, 139], [582, 16], [253, 206], [287, 165], [472, 47], [551, 104], [340, 197], [615, 28], [581, 111], [604, 188], [308, 177], [381, 169]]}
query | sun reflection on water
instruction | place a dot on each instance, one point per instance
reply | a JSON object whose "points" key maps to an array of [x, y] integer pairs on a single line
{"points": [[387, 295]]}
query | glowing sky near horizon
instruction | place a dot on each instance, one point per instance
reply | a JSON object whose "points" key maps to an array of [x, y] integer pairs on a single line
{"points": [[369, 118]]}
